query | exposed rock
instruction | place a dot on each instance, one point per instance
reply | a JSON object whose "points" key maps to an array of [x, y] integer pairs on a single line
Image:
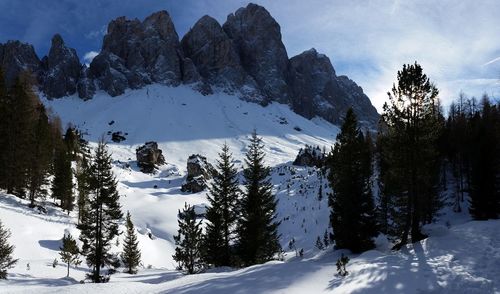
{"points": [[149, 156], [62, 70], [16, 57], [216, 59], [257, 38], [86, 86], [310, 156], [199, 172], [137, 53], [317, 91], [118, 137]]}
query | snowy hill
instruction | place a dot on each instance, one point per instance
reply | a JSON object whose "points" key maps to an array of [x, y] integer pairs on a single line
{"points": [[184, 122]]}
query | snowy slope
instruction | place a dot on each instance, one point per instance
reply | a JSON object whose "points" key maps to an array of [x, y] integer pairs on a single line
{"points": [[184, 122]]}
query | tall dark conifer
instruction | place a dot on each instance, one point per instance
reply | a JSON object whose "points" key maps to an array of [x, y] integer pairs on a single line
{"points": [[409, 156], [353, 215], [99, 225], [6, 250], [62, 183], [258, 229]]}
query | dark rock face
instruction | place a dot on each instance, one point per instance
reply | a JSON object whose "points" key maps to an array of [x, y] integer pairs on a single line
{"points": [[310, 156], [16, 57], [257, 37], [317, 90], [137, 53], [149, 156], [86, 86], [62, 70], [216, 59], [199, 172]]}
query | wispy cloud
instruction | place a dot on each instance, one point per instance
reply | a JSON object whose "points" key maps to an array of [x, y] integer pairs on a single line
{"points": [[89, 56]]}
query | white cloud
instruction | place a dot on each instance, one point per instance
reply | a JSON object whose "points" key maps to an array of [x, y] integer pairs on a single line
{"points": [[87, 58]]}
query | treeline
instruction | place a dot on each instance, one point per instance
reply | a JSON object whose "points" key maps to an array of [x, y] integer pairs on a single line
{"points": [[241, 228], [415, 151]]}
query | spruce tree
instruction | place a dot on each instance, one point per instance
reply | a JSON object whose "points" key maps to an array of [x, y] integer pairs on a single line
{"points": [[188, 240], [222, 212], [6, 250], [352, 214], [62, 183], [257, 229], [40, 154], [409, 156], [99, 225], [70, 254], [83, 175], [131, 255]]}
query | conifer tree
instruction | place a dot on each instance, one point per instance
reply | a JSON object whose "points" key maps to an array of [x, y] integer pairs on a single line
{"points": [[352, 214], [40, 154], [62, 183], [222, 212], [257, 229], [188, 240], [131, 255], [70, 254], [6, 250], [83, 176], [99, 225], [409, 155]]}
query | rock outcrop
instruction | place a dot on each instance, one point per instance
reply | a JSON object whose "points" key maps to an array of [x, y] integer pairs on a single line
{"points": [[199, 171], [62, 70], [16, 57], [149, 156], [310, 156], [257, 37], [214, 55], [318, 91]]}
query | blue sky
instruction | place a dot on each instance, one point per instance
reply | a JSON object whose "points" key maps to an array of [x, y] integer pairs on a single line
{"points": [[457, 42]]}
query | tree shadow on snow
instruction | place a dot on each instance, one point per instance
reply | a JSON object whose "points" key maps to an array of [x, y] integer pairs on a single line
{"points": [[50, 244]]}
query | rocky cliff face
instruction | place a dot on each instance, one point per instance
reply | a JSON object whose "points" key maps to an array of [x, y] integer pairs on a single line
{"points": [[245, 56]]}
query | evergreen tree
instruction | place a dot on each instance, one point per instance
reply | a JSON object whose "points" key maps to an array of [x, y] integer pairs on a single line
{"points": [[188, 241], [70, 254], [409, 168], [40, 154], [62, 183], [352, 214], [100, 223], [257, 229], [485, 169], [131, 255], [83, 175], [6, 250], [222, 212]]}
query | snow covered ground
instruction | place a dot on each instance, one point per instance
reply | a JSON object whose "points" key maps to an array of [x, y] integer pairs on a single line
{"points": [[459, 257]]}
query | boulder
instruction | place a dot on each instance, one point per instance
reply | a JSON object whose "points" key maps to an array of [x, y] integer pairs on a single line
{"points": [[310, 156], [149, 156], [199, 172]]}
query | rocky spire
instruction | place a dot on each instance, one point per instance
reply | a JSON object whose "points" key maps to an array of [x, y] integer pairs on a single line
{"points": [[16, 57], [62, 70], [257, 37]]}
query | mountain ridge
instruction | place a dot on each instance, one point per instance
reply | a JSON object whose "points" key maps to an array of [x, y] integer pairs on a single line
{"points": [[244, 56]]}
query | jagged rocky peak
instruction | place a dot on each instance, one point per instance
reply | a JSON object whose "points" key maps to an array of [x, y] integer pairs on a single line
{"points": [[16, 57], [257, 38], [317, 90], [216, 59], [136, 53], [62, 70]]}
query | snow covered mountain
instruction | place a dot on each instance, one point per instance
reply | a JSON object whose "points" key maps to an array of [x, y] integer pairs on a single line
{"points": [[244, 57]]}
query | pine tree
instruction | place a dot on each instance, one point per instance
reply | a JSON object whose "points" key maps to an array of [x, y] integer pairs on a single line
{"points": [[6, 250], [188, 241], [83, 175], [100, 223], [131, 255], [257, 229], [352, 214], [319, 244], [409, 169], [62, 183], [70, 254], [222, 212]]}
